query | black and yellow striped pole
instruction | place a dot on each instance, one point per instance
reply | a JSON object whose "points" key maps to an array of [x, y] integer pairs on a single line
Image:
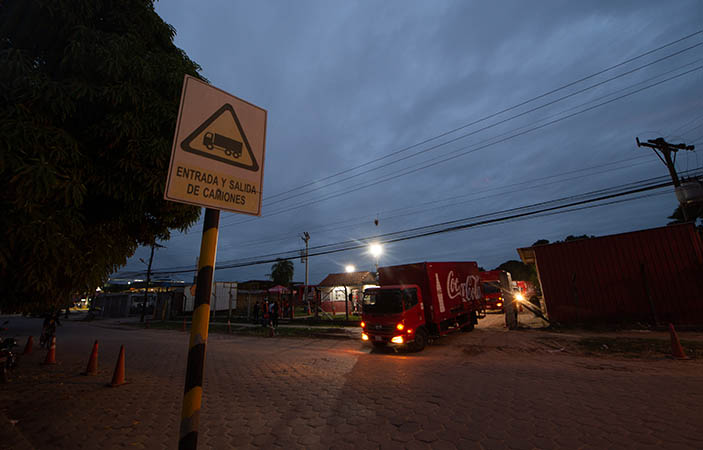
{"points": [[192, 396]]}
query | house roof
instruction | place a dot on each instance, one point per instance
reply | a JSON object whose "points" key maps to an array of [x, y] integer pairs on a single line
{"points": [[348, 279]]}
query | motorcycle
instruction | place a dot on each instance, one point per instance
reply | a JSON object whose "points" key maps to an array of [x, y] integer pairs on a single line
{"points": [[8, 357]]}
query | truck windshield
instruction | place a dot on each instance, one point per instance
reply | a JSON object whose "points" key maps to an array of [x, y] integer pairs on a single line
{"points": [[383, 302], [490, 287]]}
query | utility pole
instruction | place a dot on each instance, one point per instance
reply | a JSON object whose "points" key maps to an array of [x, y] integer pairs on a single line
{"points": [[306, 237], [229, 314], [148, 277], [666, 149]]}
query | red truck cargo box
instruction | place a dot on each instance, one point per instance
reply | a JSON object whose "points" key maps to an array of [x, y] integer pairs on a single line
{"points": [[448, 288]]}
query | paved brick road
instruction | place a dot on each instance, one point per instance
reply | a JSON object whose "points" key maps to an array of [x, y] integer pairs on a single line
{"points": [[487, 389]]}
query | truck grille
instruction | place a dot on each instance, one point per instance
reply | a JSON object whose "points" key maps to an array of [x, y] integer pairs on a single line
{"points": [[381, 329]]}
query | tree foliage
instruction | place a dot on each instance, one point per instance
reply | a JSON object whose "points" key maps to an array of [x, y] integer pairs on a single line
{"points": [[694, 212], [570, 237], [282, 272], [89, 94], [519, 270]]}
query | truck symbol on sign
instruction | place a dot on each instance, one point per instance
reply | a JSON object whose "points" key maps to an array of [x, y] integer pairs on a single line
{"points": [[230, 146]]}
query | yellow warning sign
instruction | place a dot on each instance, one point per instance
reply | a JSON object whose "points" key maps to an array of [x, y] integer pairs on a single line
{"points": [[218, 152]]}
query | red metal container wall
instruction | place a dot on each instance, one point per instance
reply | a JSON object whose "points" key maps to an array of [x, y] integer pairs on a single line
{"points": [[625, 277]]}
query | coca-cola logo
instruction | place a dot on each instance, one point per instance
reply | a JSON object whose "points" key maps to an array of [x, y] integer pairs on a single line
{"points": [[468, 290]]}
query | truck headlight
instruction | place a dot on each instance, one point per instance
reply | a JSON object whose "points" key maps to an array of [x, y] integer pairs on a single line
{"points": [[364, 337], [400, 326], [520, 297], [397, 340]]}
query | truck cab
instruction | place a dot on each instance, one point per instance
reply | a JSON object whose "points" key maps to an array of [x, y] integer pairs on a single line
{"points": [[492, 290], [493, 295], [394, 315]]}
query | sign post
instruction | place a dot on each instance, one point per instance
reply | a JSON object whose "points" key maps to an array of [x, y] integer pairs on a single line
{"points": [[217, 162]]}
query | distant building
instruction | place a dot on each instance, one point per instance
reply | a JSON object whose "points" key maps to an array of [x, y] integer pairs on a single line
{"points": [[125, 297], [338, 288], [223, 297], [249, 292]]}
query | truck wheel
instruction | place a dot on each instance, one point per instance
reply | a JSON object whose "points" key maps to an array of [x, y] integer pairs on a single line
{"points": [[469, 325], [420, 340]]}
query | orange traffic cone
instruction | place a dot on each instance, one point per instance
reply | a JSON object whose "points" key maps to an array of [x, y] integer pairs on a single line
{"points": [[676, 349], [118, 376], [51, 356], [229, 327], [92, 368], [28, 346]]}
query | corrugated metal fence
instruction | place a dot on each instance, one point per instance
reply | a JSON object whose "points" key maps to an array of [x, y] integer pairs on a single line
{"points": [[650, 276]]}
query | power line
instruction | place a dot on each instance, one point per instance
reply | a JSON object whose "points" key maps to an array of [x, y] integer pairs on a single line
{"points": [[489, 196], [490, 116], [422, 165], [454, 225], [466, 226], [517, 129], [492, 125], [294, 253], [413, 210], [431, 233], [553, 213], [598, 105], [687, 123], [481, 147]]}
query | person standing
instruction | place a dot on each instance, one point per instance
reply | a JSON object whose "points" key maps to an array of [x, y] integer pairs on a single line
{"points": [[256, 311], [51, 320], [274, 314], [265, 316]]}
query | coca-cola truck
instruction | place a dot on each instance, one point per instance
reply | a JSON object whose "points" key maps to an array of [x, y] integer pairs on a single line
{"points": [[417, 302], [490, 285]]}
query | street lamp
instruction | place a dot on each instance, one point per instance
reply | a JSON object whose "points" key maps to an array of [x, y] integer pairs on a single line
{"points": [[376, 250], [349, 268]]}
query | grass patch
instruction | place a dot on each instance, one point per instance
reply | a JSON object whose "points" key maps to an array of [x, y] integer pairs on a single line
{"points": [[636, 347], [325, 332]]}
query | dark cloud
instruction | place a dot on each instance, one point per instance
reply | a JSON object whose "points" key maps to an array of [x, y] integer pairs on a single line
{"points": [[347, 82]]}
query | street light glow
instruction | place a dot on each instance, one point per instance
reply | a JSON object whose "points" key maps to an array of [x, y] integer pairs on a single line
{"points": [[376, 250], [349, 268]]}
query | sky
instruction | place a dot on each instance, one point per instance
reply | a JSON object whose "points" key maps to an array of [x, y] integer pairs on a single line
{"points": [[347, 83]]}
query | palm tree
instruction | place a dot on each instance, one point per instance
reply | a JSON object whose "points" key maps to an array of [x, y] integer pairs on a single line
{"points": [[282, 272]]}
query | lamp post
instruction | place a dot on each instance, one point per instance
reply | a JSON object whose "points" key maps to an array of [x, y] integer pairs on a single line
{"points": [[349, 268], [148, 277], [376, 250]]}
